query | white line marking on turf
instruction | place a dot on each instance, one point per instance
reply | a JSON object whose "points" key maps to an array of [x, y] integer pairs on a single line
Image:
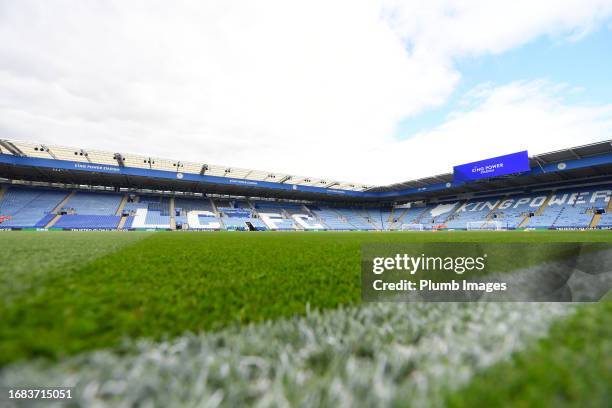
{"points": [[374, 355]]}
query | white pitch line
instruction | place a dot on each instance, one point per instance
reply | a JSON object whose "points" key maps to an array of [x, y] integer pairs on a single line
{"points": [[372, 355]]}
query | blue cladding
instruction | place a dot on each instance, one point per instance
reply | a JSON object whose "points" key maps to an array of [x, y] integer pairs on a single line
{"points": [[188, 177], [603, 159], [493, 167]]}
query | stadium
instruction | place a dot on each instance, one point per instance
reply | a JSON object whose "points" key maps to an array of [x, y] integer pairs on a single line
{"points": [[176, 284], [345, 203], [60, 188]]}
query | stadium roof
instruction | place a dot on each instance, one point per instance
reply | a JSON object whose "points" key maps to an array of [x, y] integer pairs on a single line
{"points": [[39, 162], [46, 151], [545, 172]]}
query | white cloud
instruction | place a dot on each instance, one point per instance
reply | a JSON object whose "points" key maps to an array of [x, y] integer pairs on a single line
{"points": [[315, 87], [530, 116], [472, 27]]}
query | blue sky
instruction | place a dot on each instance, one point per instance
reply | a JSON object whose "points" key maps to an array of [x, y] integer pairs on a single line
{"points": [[584, 63]]}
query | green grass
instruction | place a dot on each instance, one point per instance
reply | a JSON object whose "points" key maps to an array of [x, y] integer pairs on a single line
{"points": [[572, 367], [65, 293], [30, 259]]}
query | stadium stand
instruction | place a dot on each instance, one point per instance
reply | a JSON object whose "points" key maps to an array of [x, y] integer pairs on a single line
{"points": [[303, 218], [128, 223], [580, 207], [437, 214], [29, 207], [354, 219], [411, 215], [34, 194], [205, 219], [330, 219], [83, 203], [514, 210], [472, 211], [76, 221], [606, 220], [148, 211], [240, 218], [184, 205], [238, 215], [378, 217], [396, 217], [275, 215]]}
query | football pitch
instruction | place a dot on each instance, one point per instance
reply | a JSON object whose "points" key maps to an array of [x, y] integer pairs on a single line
{"points": [[275, 318]]}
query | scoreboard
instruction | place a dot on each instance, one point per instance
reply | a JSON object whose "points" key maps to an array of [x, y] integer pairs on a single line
{"points": [[493, 167]]}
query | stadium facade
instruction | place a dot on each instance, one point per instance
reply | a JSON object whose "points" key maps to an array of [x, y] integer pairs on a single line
{"points": [[50, 187]]}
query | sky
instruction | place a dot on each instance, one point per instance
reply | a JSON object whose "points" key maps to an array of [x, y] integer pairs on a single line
{"points": [[373, 92]]}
